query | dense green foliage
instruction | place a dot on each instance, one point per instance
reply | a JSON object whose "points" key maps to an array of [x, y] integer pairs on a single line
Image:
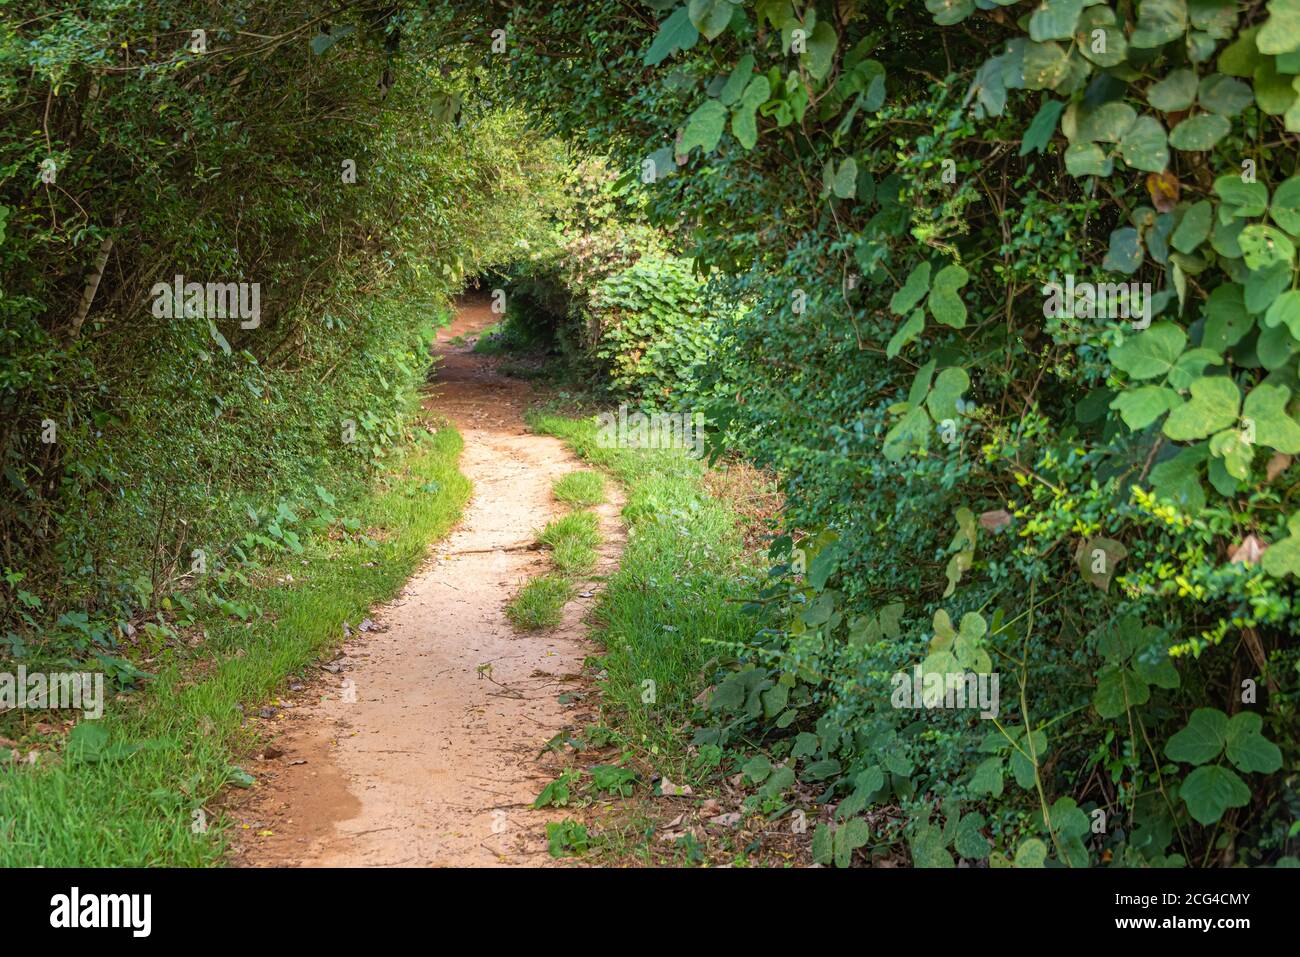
{"points": [[1101, 508], [309, 154]]}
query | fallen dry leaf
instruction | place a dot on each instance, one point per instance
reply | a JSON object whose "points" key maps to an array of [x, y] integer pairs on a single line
{"points": [[998, 518], [1249, 551], [1278, 464]]}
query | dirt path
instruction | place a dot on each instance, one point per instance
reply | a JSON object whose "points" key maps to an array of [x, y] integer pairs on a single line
{"points": [[409, 754]]}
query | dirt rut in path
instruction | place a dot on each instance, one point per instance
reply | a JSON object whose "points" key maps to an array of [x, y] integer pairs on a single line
{"points": [[436, 761]]}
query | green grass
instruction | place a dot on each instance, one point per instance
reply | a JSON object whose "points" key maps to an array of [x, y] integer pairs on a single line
{"points": [[540, 603], [174, 747], [580, 489], [673, 597], [573, 541]]}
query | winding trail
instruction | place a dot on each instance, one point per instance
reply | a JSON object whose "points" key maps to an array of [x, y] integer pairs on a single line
{"points": [[438, 758]]}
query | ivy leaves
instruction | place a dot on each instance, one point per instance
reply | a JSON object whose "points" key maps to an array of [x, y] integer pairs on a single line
{"points": [[1212, 789]]}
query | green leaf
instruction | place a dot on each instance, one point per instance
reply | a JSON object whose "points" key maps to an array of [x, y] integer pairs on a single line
{"points": [[1098, 560], [1209, 792], [1285, 311], [1042, 127], [948, 12], [845, 183], [1087, 159], [1264, 246], [1141, 406], [1151, 353], [1119, 689], [987, 778], [1281, 32], [949, 386], [710, 17], [1159, 22], [1055, 19], [1199, 133], [913, 290], [1226, 318], [1031, 854], [1202, 740], [1125, 253], [1107, 123], [906, 333], [1249, 750], [1285, 209], [738, 80], [823, 847], [1194, 227], [1213, 406], [704, 128], [820, 50], [1175, 93], [1241, 199], [1265, 409], [969, 842], [744, 125], [1145, 145], [945, 302], [1224, 95], [675, 33]]}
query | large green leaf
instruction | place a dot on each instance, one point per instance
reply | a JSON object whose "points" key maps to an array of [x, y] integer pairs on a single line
{"points": [[675, 33], [1150, 353], [1202, 740], [1159, 21], [1209, 792], [1249, 750], [1265, 410], [704, 127], [1281, 31], [711, 17], [1199, 133], [1213, 406]]}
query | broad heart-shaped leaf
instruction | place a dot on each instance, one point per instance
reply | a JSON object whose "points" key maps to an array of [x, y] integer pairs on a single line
{"points": [[1263, 286], [820, 52], [1247, 748], [1087, 159], [1226, 319], [1265, 411], [704, 128], [1106, 44], [1224, 95], [1199, 133], [1125, 252], [1211, 408], [1055, 19], [1209, 791], [927, 846], [1285, 209], [1263, 246], [1282, 558], [905, 333], [744, 125], [987, 778], [1285, 311], [1040, 130], [1235, 453], [1106, 124], [1241, 200], [1175, 93], [1281, 31], [1191, 365], [1178, 480], [1141, 406], [823, 846], [948, 12], [1045, 66], [1202, 740], [1118, 689], [945, 300], [675, 33], [1032, 854], [913, 290], [969, 842], [1150, 353], [1159, 21], [710, 17], [948, 388], [738, 80], [1145, 146]]}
